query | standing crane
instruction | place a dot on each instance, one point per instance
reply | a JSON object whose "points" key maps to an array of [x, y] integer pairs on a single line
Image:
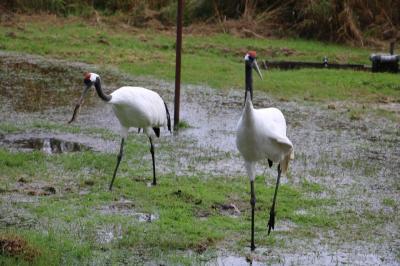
{"points": [[261, 134], [134, 107]]}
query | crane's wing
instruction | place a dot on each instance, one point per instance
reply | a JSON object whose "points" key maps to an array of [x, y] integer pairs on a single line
{"points": [[286, 146]]}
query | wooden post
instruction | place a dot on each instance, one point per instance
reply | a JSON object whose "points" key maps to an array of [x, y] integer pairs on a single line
{"points": [[178, 63], [391, 51]]}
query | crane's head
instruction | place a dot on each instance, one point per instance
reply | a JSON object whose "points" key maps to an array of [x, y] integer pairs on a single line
{"points": [[89, 80], [250, 61]]}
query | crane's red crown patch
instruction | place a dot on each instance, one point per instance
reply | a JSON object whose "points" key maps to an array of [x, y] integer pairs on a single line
{"points": [[253, 54]]}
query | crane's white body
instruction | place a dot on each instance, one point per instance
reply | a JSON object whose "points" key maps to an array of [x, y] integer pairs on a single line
{"points": [[261, 134], [138, 107], [134, 107]]}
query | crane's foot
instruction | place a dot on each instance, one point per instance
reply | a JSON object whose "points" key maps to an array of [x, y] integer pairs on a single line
{"points": [[252, 247], [151, 184], [271, 222]]}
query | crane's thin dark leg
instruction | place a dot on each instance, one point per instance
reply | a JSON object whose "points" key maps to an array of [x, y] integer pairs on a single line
{"points": [[271, 222], [121, 151], [253, 204], [154, 163]]}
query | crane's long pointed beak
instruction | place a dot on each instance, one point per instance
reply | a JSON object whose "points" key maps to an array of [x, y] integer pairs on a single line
{"points": [[76, 110], [78, 105], [257, 69]]}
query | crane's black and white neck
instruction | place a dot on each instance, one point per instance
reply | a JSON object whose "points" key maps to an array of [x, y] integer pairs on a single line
{"points": [[250, 64]]}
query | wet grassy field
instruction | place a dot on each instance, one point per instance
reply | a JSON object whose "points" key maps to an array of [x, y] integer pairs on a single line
{"points": [[338, 204]]}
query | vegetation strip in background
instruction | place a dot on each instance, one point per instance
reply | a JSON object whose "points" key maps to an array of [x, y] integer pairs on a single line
{"points": [[214, 60]]}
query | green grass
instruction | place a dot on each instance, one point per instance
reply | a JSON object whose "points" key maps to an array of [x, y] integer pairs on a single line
{"points": [[388, 114], [183, 124], [7, 128], [30, 164], [389, 202], [67, 224], [214, 60]]}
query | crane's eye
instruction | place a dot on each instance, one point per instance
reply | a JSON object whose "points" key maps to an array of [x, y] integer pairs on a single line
{"points": [[248, 57]]}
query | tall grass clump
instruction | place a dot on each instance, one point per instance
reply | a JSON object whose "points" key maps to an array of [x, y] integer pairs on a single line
{"points": [[360, 22]]}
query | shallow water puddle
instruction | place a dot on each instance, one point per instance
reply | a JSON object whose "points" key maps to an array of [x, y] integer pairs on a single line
{"points": [[49, 145], [332, 258], [11, 215], [55, 143], [108, 233], [126, 208], [233, 261]]}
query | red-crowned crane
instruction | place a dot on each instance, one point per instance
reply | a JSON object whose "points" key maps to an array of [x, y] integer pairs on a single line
{"points": [[261, 134], [134, 107]]}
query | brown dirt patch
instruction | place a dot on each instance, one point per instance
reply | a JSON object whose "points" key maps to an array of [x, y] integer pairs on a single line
{"points": [[15, 246], [226, 209], [202, 246]]}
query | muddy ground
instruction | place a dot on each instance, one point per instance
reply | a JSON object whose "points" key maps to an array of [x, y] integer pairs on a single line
{"points": [[356, 160]]}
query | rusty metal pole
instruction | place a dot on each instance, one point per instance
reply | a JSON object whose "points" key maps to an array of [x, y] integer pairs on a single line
{"points": [[178, 63], [391, 49]]}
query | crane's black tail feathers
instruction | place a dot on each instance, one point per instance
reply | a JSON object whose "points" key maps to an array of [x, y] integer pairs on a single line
{"points": [[157, 131], [168, 117]]}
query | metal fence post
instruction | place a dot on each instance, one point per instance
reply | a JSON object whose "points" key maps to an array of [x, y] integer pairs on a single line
{"points": [[178, 62]]}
